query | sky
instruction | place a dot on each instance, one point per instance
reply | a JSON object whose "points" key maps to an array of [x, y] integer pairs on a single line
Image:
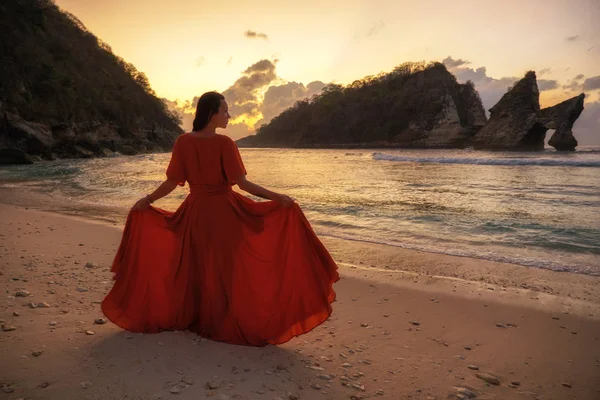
{"points": [[187, 47]]}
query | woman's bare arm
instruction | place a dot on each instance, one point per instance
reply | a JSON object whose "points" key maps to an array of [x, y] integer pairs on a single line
{"points": [[164, 189], [262, 192]]}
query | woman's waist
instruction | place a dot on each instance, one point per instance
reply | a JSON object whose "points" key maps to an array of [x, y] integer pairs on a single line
{"points": [[209, 190]]}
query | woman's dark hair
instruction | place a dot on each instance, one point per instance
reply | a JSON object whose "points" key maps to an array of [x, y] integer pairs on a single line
{"points": [[208, 105]]}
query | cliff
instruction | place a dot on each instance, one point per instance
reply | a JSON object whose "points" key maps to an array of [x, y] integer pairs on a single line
{"points": [[63, 93], [414, 106], [517, 122]]}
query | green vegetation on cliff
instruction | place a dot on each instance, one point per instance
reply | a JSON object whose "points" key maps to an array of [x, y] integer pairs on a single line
{"points": [[408, 107], [54, 72]]}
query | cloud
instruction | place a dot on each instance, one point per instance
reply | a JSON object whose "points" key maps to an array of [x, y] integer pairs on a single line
{"points": [[278, 98], [572, 38], [375, 29], [587, 127], [246, 100], [573, 86], [243, 95], [451, 63], [200, 62], [255, 35], [239, 130], [578, 77], [544, 84], [490, 89], [544, 71], [592, 83]]}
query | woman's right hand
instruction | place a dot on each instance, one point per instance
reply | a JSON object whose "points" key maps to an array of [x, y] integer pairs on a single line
{"points": [[284, 200], [141, 204]]}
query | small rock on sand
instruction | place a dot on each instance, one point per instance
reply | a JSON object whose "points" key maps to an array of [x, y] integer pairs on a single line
{"points": [[8, 328], [90, 333], [212, 385], [465, 393], [86, 384], [100, 321], [491, 379], [22, 293], [473, 367], [566, 384]]}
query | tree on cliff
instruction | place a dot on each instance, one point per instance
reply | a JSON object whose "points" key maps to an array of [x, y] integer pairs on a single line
{"points": [[397, 107], [54, 71]]}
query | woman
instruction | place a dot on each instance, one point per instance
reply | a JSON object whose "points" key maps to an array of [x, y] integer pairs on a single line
{"points": [[222, 265]]}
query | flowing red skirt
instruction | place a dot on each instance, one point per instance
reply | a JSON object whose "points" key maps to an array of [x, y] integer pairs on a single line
{"points": [[224, 266]]}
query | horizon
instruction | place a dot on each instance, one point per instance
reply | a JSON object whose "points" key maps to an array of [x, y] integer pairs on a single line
{"points": [[263, 48]]}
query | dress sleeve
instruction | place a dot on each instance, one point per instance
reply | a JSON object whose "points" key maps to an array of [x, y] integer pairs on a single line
{"points": [[233, 165], [176, 168]]}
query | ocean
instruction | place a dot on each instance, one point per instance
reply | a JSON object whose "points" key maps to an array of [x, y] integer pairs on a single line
{"points": [[539, 210]]}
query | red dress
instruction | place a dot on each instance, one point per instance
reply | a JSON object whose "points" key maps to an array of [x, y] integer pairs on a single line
{"points": [[222, 265]]}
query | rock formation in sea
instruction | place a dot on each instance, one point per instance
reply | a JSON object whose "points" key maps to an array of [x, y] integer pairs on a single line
{"points": [[63, 93], [414, 106], [517, 122]]}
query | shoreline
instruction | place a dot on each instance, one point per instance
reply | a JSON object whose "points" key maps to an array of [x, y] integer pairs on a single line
{"points": [[405, 324], [396, 259]]}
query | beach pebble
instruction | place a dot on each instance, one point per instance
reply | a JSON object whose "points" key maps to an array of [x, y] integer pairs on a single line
{"points": [[473, 367], [81, 289], [7, 389], [364, 325], [100, 321], [467, 347], [90, 333], [416, 323], [16, 314], [358, 387], [90, 265], [175, 390], [324, 377], [22, 293], [566, 384], [212, 385], [42, 304], [44, 385], [8, 328], [315, 386], [491, 379], [465, 393], [86, 384], [379, 392], [346, 365], [52, 323], [32, 305], [499, 325], [187, 380], [36, 353]]}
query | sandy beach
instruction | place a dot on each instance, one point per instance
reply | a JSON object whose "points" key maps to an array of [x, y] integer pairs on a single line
{"points": [[406, 325]]}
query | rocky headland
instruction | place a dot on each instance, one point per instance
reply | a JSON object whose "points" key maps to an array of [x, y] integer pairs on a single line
{"points": [[64, 94]]}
